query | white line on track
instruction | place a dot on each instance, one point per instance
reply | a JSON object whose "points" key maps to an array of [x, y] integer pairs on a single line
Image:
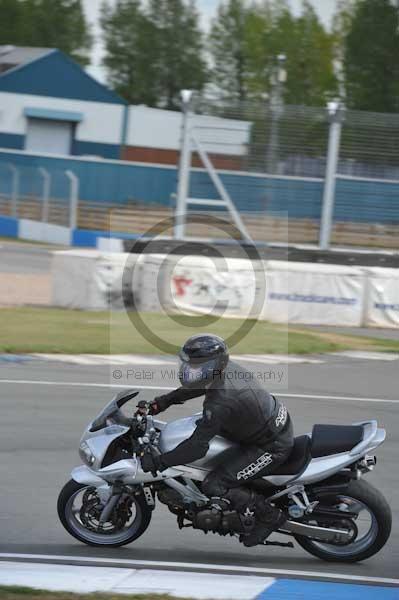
{"points": [[162, 387], [199, 567], [338, 398], [84, 384]]}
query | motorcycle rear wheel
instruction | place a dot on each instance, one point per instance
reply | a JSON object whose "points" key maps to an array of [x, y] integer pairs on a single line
{"points": [[368, 501], [70, 517]]}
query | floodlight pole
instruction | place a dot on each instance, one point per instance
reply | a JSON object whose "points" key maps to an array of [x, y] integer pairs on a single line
{"points": [[276, 110], [336, 112], [184, 168]]}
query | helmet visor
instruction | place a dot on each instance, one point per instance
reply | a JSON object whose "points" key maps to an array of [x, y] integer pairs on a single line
{"points": [[196, 374]]}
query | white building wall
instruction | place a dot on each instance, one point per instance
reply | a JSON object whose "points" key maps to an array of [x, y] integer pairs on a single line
{"points": [[156, 128], [102, 122], [147, 127]]}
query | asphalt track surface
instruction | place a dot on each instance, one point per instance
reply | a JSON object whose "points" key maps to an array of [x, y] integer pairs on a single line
{"points": [[41, 425]]}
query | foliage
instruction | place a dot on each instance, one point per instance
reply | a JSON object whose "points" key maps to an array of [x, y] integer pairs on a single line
{"points": [[180, 64], [245, 40], [152, 54], [46, 23], [371, 57], [228, 45], [131, 51], [310, 54]]}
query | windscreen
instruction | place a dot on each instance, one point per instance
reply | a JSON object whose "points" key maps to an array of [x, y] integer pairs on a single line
{"points": [[112, 410]]}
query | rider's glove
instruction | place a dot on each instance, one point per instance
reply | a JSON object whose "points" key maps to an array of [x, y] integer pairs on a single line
{"points": [[159, 404], [152, 463], [154, 408]]}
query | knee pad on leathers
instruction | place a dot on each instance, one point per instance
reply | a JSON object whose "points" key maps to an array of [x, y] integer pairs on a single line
{"points": [[240, 498]]}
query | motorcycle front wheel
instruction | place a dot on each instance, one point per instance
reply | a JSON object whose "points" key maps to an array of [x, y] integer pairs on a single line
{"points": [[371, 527], [79, 508]]}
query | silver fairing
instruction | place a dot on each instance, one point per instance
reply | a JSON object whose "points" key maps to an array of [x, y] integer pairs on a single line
{"points": [[99, 441], [127, 470]]}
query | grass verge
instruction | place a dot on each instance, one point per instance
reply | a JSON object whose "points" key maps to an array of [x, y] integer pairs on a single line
{"points": [[29, 330], [24, 593]]}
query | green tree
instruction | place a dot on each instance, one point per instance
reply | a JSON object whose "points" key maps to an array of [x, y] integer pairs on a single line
{"points": [[131, 51], [342, 22], [228, 43], [246, 38], [48, 23], [371, 57], [179, 46], [309, 49], [153, 53], [62, 24], [261, 45], [11, 22]]}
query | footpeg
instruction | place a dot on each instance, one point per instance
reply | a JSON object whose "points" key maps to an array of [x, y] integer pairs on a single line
{"points": [[282, 544]]}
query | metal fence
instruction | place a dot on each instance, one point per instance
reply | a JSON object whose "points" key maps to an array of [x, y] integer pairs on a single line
{"points": [[302, 174], [39, 193], [286, 174]]}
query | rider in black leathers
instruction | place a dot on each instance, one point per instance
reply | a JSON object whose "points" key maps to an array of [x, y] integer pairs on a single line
{"points": [[239, 409]]}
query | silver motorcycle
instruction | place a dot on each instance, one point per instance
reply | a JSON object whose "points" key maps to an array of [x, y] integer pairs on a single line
{"points": [[331, 512]]}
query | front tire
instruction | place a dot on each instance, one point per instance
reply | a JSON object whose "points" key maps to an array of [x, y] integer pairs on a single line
{"points": [[367, 498], [70, 516]]}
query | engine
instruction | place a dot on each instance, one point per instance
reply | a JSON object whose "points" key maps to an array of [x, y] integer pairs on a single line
{"points": [[172, 499], [224, 522], [208, 519], [227, 522]]}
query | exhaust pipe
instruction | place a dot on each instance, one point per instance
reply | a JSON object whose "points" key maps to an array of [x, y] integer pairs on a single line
{"points": [[323, 534]]}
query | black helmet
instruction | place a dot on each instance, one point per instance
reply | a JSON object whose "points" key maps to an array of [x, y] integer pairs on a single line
{"points": [[203, 359]]}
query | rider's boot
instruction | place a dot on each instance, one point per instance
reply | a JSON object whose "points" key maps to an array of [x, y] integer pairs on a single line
{"points": [[267, 519]]}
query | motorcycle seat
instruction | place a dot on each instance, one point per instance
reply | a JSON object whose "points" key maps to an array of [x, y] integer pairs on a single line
{"points": [[298, 459], [333, 439]]}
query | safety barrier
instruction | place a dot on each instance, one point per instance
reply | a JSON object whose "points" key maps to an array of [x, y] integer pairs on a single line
{"points": [[276, 291]]}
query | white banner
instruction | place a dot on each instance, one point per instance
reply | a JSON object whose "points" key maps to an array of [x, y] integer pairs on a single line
{"points": [[215, 286], [382, 297], [87, 279], [313, 294]]}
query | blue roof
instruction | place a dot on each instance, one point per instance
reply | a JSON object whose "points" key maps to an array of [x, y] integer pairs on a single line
{"points": [[55, 75]]}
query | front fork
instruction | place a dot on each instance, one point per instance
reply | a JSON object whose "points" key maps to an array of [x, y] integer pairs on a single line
{"points": [[111, 503], [110, 494]]}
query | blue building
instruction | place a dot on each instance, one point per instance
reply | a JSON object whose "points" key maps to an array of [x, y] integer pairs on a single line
{"points": [[50, 105]]}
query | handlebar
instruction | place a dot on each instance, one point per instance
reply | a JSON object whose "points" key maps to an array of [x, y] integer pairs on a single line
{"points": [[143, 408]]}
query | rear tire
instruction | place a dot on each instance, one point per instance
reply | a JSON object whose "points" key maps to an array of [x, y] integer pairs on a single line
{"points": [[378, 507], [78, 531]]}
